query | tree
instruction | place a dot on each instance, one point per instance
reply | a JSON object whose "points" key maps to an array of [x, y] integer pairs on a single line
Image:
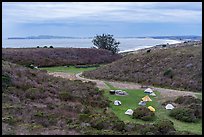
{"points": [[106, 42]]}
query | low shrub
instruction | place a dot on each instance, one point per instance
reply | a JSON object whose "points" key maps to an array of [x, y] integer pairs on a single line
{"points": [[197, 109], [65, 96], [168, 73], [100, 121], [34, 93], [143, 113], [186, 100], [164, 127], [183, 114], [84, 117], [6, 81], [30, 66]]}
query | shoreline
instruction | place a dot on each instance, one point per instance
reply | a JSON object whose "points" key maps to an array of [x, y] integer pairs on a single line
{"points": [[133, 49], [161, 46]]}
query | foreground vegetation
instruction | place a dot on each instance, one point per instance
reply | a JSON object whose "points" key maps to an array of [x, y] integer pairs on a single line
{"points": [[32, 101], [176, 68], [45, 57]]}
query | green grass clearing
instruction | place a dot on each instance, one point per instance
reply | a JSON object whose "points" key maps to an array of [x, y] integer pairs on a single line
{"points": [[199, 95], [131, 102], [70, 69]]}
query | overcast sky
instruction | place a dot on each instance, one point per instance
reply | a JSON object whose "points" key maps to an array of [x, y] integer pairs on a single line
{"points": [[91, 18]]}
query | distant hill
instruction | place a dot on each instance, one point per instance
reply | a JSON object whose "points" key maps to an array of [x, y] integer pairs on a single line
{"points": [[42, 37], [179, 37], [177, 67]]}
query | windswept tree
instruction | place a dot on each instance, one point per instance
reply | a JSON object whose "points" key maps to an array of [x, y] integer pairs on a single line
{"points": [[106, 41]]}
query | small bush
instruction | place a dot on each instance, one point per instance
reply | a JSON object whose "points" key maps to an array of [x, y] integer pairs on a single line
{"points": [[39, 114], [197, 109], [64, 96], [38, 47], [184, 114], [186, 100], [6, 81], [30, 66], [168, 73], [34, 93], [164, 127], [45, 47], [51, 46], [9, 119], [99, 122], [84, 117], [143, 113]]}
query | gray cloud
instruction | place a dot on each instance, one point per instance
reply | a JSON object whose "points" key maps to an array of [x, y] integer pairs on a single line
{"points": [[35, 12]]}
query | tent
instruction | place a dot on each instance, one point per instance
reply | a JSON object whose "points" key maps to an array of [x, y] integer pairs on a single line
{"points": [[148, 90], [142, 103], [112, 92], [120, 92], [117, 91], [152, 94], [169, 106], [151, 108], [146, 98], [117, 103], [129, 112]]}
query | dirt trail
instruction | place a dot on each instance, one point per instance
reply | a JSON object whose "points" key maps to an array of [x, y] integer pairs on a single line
{"points": [[165, 93], [99, 83]]}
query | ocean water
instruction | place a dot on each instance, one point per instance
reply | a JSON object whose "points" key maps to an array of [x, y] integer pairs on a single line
{"points": [[126, 44]]}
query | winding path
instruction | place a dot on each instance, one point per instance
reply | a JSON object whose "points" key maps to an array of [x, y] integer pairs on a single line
{"points": [[165, 93]]}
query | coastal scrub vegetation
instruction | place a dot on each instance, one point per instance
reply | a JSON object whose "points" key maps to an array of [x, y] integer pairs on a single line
{"points": [[189, 109], [175, 68], [47, 57]]}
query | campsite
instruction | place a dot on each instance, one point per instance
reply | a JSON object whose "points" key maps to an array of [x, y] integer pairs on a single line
{"points": [[131, 101]]}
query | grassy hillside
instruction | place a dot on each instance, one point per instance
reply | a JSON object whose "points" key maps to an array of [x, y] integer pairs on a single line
{"points": [[58, 56], [176, 68], [35, 103]]}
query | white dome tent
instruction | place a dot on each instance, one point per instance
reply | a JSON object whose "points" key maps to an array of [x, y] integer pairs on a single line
{"points": [[117, 102], [148, 90], [153, 94], [142, 103], [129, 112], [169, 106]]}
